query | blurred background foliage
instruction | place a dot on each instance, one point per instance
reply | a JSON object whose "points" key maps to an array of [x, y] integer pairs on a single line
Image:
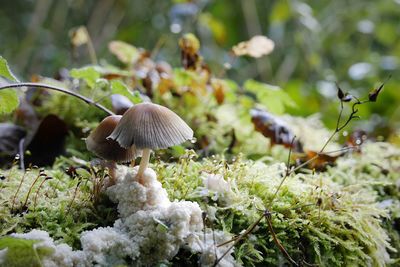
{"points": [[317, 42]]}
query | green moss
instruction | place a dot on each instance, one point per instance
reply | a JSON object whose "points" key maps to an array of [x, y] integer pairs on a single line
{"points": [[64, 206], [317, 219], [330, 219]]}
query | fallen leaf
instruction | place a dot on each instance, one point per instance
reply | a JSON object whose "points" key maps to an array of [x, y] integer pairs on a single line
{"points": [[256, 47], [190, 45], [275, 129], [319, 163]]}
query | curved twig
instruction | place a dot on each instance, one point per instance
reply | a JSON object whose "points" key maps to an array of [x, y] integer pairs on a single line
{"points": [[59, 89]]}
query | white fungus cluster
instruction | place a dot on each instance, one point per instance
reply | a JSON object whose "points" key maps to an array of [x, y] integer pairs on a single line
{"points": [[62, 254], [215, 186], [151, 229], [133, 196], [207, 244], [158, 226], [108, 247]]}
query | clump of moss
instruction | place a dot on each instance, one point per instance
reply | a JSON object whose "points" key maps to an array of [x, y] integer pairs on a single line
{"points": [[320, 218], [317, 220], [375, 167], [53, 201]]}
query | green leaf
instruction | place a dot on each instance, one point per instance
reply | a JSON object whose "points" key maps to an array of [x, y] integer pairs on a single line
{"points": [[8, 97], [21, 252], [118, 87], [88, 74], [5, 70], [272, 97], [178, 150], [184, 77], [8, 101]]}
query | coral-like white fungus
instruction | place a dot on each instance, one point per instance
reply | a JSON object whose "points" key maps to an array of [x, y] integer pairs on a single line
{"points": [[206, 244], [108, 247], [63, 254], [217, 187], [133, 196], [151, 229]]}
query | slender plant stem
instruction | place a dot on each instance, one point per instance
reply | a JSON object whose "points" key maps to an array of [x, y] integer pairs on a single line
{"points": [[59, 89], [41, 174], [276, 240], [16, 192], [73, 197], [37, 191], [240, 237]]}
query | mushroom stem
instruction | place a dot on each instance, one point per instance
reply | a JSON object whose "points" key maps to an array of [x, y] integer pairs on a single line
{"points": [[112, 172], [144, 162]]}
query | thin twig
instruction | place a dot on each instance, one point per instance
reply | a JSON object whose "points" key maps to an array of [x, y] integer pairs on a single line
{"points": [[73, 197], [59, 89], [240, 237], [287, 173], [267, 215]]}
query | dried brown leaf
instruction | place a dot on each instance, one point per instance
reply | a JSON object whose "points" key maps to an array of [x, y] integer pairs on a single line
{"points": [[256, 47]]}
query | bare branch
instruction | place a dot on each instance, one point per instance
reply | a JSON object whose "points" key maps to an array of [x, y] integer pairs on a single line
{"points": [[59, 89]]}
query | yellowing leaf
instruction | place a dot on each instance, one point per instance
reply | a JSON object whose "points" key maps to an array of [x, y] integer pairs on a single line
{"points": [[257, 46], [125, 52], [79, 36], [189, 43]]}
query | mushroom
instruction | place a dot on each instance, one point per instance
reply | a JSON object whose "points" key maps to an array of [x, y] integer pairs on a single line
{"points": [[109, 150], [150, 126]]}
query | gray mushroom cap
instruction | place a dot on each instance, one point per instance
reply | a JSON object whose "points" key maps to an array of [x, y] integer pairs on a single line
{"points": [[98, 143], [148, 125]]}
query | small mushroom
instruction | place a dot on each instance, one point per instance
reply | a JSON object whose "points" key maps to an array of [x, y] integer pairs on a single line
{"points": [[150, 126], [109, 150]]}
